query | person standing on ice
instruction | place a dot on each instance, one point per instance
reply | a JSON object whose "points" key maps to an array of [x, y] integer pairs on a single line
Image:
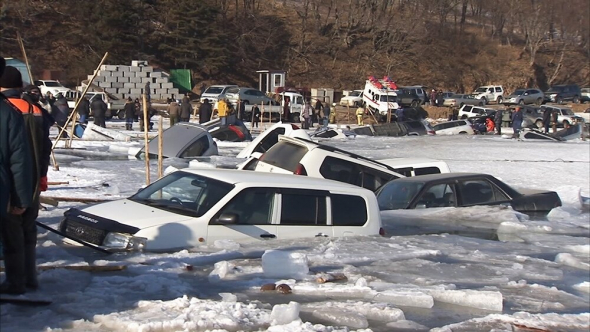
{"points": [[129, 113], [360, 112], [19, 231], [517, 122]]}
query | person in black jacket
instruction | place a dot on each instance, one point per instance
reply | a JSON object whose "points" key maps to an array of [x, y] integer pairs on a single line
{"points": [[84, 109], [205, 111], [99, 110], [129, 113], [498, 121], [547, 119], [185, 109]]}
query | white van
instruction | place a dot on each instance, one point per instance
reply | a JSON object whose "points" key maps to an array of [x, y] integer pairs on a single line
{"points": [[379, 96], [215, 93]]}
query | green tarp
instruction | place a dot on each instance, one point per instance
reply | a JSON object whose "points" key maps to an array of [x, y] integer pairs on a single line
{"points": [[181, 78]]}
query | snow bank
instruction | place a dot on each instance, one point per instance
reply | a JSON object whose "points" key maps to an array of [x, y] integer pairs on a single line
{"points": [[284, 264], [487, 300], [408, 298]]}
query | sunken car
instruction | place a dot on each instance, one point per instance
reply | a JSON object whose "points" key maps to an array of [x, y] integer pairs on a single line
{"points": [[195, 207], [462, 190]]}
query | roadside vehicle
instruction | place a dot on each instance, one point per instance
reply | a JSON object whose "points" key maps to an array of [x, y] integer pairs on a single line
{"points": [[468, 111], [407, 98], [248, 96], [416, 166], [490, 93], [525, 96], [456, 127], [183, 140], [584, 95], [52, 86], [532, 117], [560, 93], [420, 91], [270, 137], [462, 99], [565, 116], [418, 127], [115, 106], [293, 155], [354, 98], [585, 115], [379, 96], [275, 109], [462, 190], [189, 208], [215, 92]]}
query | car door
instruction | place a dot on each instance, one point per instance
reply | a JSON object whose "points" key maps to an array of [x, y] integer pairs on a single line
{"points": [[303, 214], [436, 195], [248, 215]]}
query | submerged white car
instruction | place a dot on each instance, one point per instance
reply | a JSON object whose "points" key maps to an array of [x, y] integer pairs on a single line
{"points": [[194, 207]]}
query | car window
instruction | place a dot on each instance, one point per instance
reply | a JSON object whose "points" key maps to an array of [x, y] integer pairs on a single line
{"points": [[269, 140], [52, 83], [567, 111], [232, 90], [439, 195], [197, 148], [397, 195], [476, 192], [444, 125], [350, 172], [348, 210], [480, 90], [184, 193], [214, 90], [467, 108], [285, 155], [303, 207], [252, 206], [38, 83], [355, 93], [498, 89], [426, 170]]}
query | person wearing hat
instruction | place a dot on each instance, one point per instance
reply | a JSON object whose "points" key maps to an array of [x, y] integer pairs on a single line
{"points": [[517, 122], [173, 112], [18, 229], [205, 111], [129, 109]]}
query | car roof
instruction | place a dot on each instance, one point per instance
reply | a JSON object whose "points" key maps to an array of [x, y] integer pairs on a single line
{"points": [[265, 179], [442, 176]]}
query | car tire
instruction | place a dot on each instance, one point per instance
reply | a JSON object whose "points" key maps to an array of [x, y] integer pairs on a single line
{"points": [[576, 100], [564, 123], [539, 101], [463, 117], [484, 100], [499, 100], [415, 103], [121, 114], [558, 100], [539, 124], [521, 102], [295, 118]]}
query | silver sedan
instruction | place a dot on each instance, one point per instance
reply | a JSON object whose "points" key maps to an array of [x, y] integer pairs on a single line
{"points": [[460, 100]]}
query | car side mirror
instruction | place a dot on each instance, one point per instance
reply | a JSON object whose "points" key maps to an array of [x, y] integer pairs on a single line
{"points": [[228, 219]]}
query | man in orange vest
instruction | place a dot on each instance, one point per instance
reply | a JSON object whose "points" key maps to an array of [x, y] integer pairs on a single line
{"points": [[19, 232]]}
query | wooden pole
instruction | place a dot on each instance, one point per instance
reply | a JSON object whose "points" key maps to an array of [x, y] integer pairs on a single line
{"points": [[160, 149], [22, 48], [77, 103], [146, 148]]}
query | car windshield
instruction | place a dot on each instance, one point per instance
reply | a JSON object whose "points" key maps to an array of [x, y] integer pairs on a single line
{"points": [[355, 93], [183, 193], [52, 83], [481, 90], [555, 89], [214, 90], [457, 96], [397, 194], [518, 92], [567, 111]]}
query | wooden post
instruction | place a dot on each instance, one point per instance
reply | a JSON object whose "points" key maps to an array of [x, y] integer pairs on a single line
{"points": [[160, 149], [22, 48], [146, 126], [388, 115]]}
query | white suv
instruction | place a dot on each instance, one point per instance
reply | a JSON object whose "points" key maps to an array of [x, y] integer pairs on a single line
{"points": [[354, 98], [190, 208], [293, 155], [52, 86], [490, 93], [468, 111], [215, 92]]}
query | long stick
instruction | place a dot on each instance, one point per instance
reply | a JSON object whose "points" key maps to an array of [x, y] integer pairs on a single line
{"points": [[75, 111], [160, 149], [146, 125], [22, 48]]}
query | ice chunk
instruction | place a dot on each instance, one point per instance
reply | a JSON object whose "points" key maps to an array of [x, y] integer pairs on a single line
{"points": [[487, 300], [570, 260], [285, 313], [583, 286], [226, 244], [228, 297], [406, 297], [220, 271], [361, 282], [406, 325], [342, 317], [284, 264]]}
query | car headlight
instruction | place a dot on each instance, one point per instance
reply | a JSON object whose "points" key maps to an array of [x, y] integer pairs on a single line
{"points": [[124, 241]]}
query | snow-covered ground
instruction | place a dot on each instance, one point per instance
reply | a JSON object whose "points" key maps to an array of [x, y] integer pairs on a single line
{"points": [[472, 269]]}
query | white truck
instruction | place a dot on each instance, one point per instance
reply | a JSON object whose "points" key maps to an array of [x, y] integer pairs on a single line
{"points": [[297, 103], [379, 96]]}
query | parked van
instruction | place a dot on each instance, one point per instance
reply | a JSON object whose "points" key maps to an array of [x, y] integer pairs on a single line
{"points": [[420, 91], [215, 92]]}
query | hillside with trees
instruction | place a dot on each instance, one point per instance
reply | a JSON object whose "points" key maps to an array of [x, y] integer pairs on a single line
{"points": [[449, 44]]}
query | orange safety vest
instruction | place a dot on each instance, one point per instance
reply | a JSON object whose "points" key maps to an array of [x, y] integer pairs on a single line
{"points": [[26, 107]]}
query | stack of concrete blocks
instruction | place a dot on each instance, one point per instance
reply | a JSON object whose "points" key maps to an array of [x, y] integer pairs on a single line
{"points": [[130, 81]]}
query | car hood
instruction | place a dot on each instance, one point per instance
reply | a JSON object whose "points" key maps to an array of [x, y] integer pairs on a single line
{"points": [[134, 214], [513, 96]]}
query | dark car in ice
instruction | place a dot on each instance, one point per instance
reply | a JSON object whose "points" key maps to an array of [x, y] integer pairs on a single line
{"points": [[462, 190]]}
